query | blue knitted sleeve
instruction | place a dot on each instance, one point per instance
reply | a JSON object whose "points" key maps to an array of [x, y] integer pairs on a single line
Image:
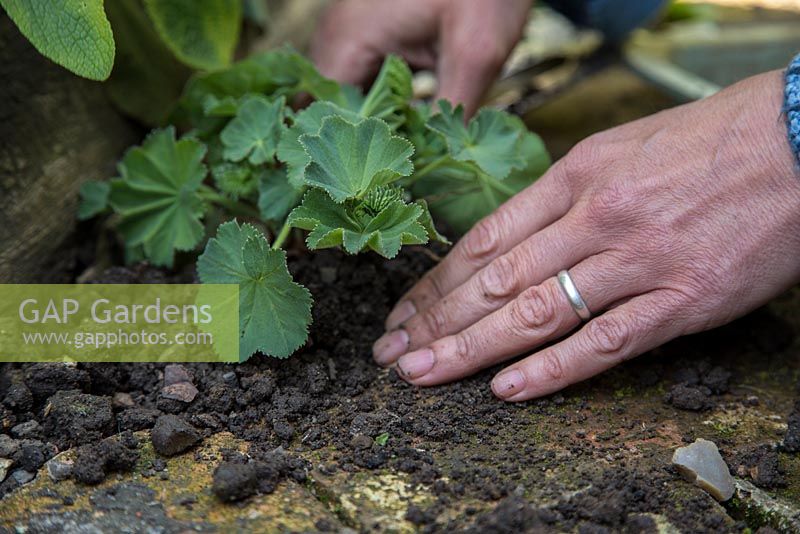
{"points": [[615, 18], [791, 105]]}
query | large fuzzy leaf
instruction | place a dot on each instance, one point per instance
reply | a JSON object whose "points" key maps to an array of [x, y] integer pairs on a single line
{"points": [[308, 121], [147, 79], [460, 193], [201, 33], [274, 311], [255, 131], [73, 33], [349, 159], [156, 195], [356, 227], [491, 139]]}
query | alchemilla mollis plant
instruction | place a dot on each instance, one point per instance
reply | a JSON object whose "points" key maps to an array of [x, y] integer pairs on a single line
{"points": [[359, 172]]}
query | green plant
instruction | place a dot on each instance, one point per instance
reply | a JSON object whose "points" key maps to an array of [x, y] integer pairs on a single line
{"points": [[77, 35], [360, 172]]}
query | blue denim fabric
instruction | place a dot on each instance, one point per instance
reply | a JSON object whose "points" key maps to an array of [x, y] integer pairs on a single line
{"points": [[615, 18], [791, 105]]}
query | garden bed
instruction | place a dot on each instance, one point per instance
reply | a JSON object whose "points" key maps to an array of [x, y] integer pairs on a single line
{"points": [[330, 440]]}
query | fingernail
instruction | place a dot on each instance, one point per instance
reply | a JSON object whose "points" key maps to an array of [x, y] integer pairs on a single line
{"points": [[416, 364], [400, 314], [390, 346], [508, 383]]}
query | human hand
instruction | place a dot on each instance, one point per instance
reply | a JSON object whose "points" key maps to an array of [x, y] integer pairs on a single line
{"points": [[669, 225], [466, 43]]}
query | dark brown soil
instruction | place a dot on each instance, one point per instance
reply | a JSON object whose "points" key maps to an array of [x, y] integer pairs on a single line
{"points": [[328, 395]]}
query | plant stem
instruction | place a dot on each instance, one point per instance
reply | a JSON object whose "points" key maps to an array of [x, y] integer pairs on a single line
{"points": [[429, 168], [282, 235], [234, 206]]}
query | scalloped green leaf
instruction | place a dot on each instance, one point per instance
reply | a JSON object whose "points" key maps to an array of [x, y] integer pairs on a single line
{"points": [[460, 193], [351, 226], [94, 199], [349, 159], [274, 310], [73, 33], [277, 72], [156, 195], [492, 138], [255, 131], [309, 121], [201, 33], [276, 195]]}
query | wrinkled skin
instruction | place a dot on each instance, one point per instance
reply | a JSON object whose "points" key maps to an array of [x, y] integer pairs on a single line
{"points": [[466, 43], [669, 225]]}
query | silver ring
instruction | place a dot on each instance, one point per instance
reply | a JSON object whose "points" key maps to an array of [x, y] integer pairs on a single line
{"points": [[573, 296]]}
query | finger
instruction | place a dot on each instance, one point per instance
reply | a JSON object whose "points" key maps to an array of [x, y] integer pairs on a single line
{"points": [[639, 325], [471, 56], [524, 214], [347, 62], [528, 264], [538, 315], [339, 53]]}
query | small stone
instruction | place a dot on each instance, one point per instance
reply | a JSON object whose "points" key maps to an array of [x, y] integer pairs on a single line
{"points": [[702, 464], [182, 391], [175, 373], [22, 476], [33, 454], [8, 447], [122, 400], [283, 430], [27, 430], [5, 464], [172, 435], [230, 378], [60, 467], [361, 442], [234, 482]]}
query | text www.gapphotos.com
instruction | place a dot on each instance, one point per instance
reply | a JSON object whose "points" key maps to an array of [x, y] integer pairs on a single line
{"points": [[107, 340]]}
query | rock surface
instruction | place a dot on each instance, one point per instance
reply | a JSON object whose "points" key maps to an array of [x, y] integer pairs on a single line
{"points": [[702, 464]]}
